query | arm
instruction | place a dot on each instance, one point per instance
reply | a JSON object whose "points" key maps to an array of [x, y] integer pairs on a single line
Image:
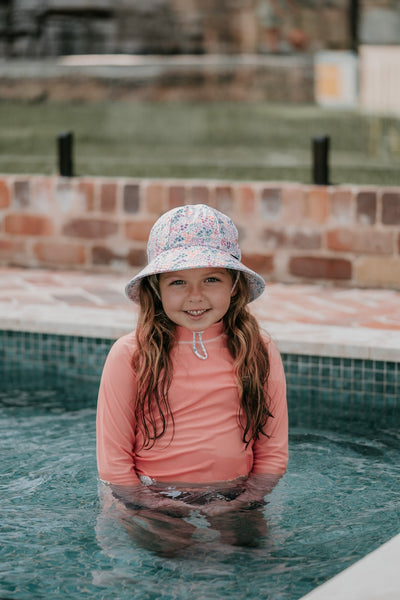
{"points": [[270, 452], [256, 488], [141, 497], [116, 422], [116, 425]]}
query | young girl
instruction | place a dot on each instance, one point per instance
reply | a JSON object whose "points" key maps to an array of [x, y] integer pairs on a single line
{"points": [[192, 405]]}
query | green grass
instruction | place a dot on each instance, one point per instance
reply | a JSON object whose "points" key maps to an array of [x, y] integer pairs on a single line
{"points": [[240, 141]]}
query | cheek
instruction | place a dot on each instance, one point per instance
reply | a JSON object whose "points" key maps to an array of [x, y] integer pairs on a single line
{"points": [[168, 300], [225, 299]]}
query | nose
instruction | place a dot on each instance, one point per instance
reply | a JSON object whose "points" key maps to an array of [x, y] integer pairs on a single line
{"points": [[194, 292]]}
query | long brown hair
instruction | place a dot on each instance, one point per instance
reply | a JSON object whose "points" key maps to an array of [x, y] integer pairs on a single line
{"points": [[155, 335]]}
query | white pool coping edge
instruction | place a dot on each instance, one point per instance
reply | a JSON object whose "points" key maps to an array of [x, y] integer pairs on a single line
{"points": [[374, 577], [292, 337]]}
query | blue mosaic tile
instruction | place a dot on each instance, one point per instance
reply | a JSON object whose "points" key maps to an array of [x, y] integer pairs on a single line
{"points": [[36, 359]]}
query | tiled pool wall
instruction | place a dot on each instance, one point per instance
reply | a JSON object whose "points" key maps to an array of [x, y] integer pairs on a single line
{"points": [[32, 360]]}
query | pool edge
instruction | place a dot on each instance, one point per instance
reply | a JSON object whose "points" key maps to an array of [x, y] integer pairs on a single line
{"points": [[291, 337], [376, 576]]}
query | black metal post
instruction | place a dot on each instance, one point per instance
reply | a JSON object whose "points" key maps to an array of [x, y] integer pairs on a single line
{"points": [[65, 154], [320, 146], [354, 16]]}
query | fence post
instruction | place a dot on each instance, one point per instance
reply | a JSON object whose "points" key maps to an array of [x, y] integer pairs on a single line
{"points": [[65, 154], [320, 147]]}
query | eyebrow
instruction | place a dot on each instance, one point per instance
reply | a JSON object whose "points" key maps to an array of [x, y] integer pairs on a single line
{"points": [[179, 275]]}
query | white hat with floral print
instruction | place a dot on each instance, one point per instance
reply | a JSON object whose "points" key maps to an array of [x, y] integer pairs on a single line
{"points": [[192, 237]]}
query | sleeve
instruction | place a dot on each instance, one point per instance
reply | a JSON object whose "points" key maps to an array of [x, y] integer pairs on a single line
{"points": [[270, 452], [115, 423]]}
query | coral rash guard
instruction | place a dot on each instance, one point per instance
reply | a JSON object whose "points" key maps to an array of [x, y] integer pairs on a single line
{"points": [[205, 445]]}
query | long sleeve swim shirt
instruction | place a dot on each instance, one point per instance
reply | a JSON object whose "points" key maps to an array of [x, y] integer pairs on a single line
{"points": [[205, 442]]}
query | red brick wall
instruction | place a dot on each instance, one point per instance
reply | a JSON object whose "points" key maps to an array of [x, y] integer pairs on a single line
{"points": [[345, 235]]}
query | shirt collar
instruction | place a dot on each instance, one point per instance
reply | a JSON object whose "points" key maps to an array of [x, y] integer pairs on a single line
{"points": [[186, 335]]}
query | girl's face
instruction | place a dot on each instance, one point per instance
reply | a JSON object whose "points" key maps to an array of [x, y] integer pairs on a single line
{"points": [[196, 298]]}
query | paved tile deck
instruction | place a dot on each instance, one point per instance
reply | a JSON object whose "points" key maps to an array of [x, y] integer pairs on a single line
{"points": [[304, 319]]}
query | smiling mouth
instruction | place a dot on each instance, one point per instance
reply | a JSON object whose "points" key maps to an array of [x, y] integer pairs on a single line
{"points": [[196, 313]]}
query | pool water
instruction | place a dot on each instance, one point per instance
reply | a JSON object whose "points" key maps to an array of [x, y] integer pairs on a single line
{"points": [[338, 501]]}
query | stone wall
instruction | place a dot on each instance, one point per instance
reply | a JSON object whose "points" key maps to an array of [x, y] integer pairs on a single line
{"points": [[169, 78], [57, 27], [289, 232], [61, 27]]}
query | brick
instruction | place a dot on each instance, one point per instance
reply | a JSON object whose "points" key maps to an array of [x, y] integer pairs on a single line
{"points": [[313, 267], [131, 198], [261, 263], [341, 206], [366, 208], [377, 271], [294, 205], [138, 230], [42, 195], [102, 255], [297, 239], [366, 242], [318, 205], [247, 201], [21, 224], [199, 194], [391, 208], [65, 193], [21, 194], [5, 196], [241, 232], [58, 253], [271, 203], [86, 191], [9, 249], [90, 228], [108, 197], [137, 257], [304, 240], [224, 199], [176, 196], [154, 195], [273, 238]]}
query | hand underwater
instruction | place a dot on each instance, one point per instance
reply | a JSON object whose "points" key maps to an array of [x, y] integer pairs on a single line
{"points": [[257, 488]]}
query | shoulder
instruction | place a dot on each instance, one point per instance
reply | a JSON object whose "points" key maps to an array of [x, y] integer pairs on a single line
{"points": [[125, 343], [118, 368], [123, 348], [274, 355], [270, 345]]}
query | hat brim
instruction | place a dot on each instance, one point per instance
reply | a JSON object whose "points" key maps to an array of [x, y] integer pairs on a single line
{"points": [[197, 257]]}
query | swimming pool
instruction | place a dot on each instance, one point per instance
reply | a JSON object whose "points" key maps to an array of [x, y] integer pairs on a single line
{"points": [[338, 500]]}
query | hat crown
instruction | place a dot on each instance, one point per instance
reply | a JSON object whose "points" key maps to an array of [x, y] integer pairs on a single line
{"points": [[193, 226]]}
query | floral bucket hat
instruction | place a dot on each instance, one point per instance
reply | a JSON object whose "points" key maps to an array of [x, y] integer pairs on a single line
{"points": [[190, 237]]}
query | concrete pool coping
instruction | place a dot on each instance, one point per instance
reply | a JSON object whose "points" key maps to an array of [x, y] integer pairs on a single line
{"points": [[374, 577], [303, 319]]}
